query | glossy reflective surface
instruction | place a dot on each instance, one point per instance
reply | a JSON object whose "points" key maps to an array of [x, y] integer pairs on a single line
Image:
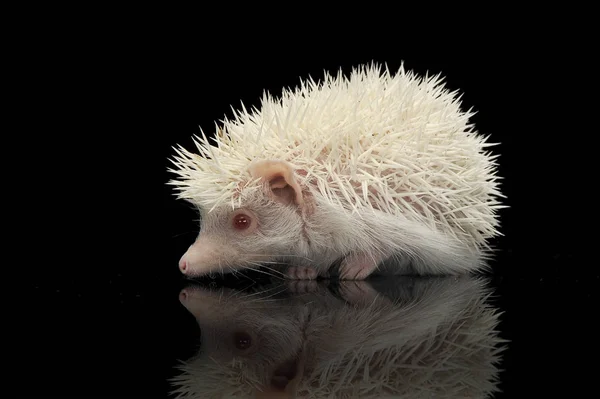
{"points": [[256, 335], [385, 338]]}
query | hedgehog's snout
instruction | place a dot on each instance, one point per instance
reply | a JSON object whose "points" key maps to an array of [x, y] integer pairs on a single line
{"points": [[200, 258]]}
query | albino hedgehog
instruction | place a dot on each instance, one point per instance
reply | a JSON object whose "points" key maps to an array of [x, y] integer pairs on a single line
{"points": [[397, 338], [356, 170]]}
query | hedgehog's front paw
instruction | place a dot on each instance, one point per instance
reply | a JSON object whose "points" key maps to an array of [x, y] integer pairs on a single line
{"points": [[301, 273], [357, 267]]}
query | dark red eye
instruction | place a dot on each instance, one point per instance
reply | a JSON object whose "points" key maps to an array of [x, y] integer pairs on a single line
{"points": [[242, 340], [241, 221]]}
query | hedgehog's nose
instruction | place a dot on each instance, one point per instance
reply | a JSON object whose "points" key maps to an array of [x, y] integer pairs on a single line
{"points": [[183, 266]]}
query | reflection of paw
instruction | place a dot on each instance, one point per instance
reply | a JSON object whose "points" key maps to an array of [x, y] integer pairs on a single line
{"points": [[302, 286], [301, 273], [357, 292], [324, 274], [357, 267]]}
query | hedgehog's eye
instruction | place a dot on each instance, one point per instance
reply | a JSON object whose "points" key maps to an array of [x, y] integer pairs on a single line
{"points": [[244, 221], [241, 221], [242, 340]]}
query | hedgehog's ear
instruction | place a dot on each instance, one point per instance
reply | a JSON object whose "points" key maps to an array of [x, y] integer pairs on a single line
{"points": [[280, 181]]}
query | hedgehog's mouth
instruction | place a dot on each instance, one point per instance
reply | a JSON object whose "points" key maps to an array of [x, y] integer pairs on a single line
{"points": [[285, 373]]}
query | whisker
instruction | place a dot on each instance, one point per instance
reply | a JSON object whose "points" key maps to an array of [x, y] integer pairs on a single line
{"points": [[276, 291], [268, 268], [258, 271], [260, 265], [180, 234], [236, 272], [269, 262], [262, 271], [257, 293], [264, 299], [283, 256]]}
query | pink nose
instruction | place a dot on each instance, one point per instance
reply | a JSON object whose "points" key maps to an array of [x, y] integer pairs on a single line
{"points": [[183, 266]]}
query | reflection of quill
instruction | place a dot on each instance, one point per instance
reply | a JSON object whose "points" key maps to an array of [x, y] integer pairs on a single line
{"points": [[399, 337]]}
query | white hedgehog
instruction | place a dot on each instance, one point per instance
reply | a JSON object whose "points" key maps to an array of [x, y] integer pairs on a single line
{"points": [[356, 170], [422, 338]]}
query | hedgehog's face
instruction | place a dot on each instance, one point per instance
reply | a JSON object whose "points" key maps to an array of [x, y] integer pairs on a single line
{"points": [[255, 340], [268, 225], [235, 326]]}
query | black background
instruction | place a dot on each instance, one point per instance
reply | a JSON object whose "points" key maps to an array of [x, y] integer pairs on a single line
{"points": [[102, 314]]}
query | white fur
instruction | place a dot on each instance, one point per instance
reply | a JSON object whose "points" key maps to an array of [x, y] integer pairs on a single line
{"points": [[391, 161]]}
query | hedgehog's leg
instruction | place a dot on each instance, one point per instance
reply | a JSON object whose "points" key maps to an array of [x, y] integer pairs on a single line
{"points": [[301, 273], [358, 266]]}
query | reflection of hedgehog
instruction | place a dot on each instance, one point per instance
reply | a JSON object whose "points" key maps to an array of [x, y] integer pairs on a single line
{"points": [[437, 339], [361, 168]]}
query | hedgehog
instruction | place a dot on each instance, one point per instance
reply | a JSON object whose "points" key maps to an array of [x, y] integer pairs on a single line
{"points": [[347, 171], [421, 337]]}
